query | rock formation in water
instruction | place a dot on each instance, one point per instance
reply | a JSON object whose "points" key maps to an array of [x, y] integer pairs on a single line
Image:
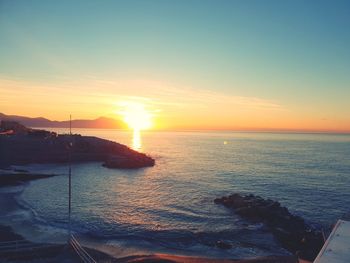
{"points": [[22, 145], [290, 230]]}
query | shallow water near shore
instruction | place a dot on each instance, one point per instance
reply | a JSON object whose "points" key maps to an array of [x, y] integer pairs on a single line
{"points": [[169, 208]]}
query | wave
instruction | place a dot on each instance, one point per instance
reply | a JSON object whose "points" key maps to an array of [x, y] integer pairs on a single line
{"points": [[246, 240]]}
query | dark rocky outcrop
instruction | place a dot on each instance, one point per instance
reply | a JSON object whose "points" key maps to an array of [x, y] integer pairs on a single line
{"points": [[19, 178], [290, 230], [27, 146], [129, 161]]}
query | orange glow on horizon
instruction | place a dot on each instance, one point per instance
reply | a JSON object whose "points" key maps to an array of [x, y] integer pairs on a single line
{"points": [[136, 116], [143, 105]]}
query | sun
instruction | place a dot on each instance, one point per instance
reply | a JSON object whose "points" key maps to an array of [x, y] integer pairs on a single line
{"points": [[136, 115]]}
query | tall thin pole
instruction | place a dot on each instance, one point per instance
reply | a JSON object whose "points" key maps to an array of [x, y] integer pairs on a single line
{"points": [[70, 175]]}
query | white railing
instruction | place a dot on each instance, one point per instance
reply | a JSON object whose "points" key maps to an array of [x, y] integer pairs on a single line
{"points": [[81, 252], [17, 246]]}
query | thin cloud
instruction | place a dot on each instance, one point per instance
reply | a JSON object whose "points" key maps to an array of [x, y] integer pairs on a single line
{"points": [[158, 96]]}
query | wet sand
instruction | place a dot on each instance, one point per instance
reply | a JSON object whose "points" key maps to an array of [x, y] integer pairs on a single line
{"points": [[165, 258], [61, 252]]}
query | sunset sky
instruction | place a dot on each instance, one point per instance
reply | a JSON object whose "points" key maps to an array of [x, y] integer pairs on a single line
{"points": [[236, 65]]}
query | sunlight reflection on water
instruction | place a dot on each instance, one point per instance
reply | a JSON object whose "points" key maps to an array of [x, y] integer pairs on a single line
{"points": [[171, 204], [136, 140]]}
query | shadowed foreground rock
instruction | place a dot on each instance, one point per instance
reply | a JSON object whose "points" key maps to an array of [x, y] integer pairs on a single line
{"points": [[290, 230], [20, 145]]}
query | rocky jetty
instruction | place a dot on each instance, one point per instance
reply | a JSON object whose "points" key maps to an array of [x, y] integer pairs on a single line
{"points": [[290, 230], [20, 145], [128, 162]]}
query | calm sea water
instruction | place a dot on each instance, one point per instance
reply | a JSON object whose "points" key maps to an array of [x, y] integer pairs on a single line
{"points": [[170, 207]]}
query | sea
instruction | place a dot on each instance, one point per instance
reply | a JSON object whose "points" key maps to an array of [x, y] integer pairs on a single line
{"points": [[169, 208]]}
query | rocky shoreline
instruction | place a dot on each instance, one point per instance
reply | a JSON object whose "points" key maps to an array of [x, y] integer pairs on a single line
{"points": [[60, 252], [292, 232], [20, 145]]}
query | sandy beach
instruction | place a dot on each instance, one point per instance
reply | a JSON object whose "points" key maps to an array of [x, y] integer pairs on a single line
{"points": [[14, 226], [64, 253]]}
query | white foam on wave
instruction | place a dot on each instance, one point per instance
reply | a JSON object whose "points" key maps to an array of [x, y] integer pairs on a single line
{"points": [[24, 220]]}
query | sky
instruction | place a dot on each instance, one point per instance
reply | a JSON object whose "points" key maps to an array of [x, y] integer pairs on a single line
{"points": [[218, 65]]}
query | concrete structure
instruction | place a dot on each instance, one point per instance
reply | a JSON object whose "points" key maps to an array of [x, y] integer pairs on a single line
{"points": [[337, 247]]}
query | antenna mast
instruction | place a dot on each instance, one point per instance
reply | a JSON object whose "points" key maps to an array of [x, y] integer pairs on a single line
{"points": [[70, 176]]}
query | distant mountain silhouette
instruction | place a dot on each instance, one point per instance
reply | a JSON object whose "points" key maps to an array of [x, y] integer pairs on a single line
{"points": [[102, 122]]}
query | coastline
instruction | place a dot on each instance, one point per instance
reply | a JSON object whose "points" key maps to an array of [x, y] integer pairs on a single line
{"points": [[21, 145], [15, 215], [15, 224], [58, 252]]}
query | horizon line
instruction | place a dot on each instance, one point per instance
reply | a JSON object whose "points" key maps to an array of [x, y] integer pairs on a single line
{"points": [[247, 130], [279, 131]]}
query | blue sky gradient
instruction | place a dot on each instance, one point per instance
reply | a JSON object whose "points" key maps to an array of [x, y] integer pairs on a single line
{"points": [[294, 53]]}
